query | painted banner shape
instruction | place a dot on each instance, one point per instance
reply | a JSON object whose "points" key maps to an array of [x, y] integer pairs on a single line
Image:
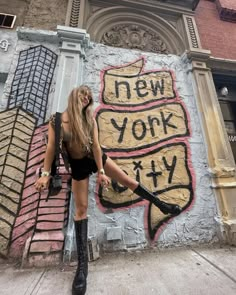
{"points": [[162, 169], [128, 130], [128, 86]]}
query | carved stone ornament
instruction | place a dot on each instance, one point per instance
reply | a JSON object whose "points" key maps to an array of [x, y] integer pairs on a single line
{"points": [[134, 37]]}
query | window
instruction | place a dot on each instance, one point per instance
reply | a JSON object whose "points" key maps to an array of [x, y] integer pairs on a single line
{"points": [[227, 100], [7, 20]]}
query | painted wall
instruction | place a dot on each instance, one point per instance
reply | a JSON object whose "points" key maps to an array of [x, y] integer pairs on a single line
{"points": [[132, 131], [28, 223], [148, 122], [10, 58]]}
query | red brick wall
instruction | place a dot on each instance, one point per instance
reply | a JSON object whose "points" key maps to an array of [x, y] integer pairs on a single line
{"points": [[216, 35], [230, 4]]}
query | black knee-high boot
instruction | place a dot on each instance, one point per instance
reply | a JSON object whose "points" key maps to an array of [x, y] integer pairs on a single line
{"points": [[79, 284], [166, 208]]}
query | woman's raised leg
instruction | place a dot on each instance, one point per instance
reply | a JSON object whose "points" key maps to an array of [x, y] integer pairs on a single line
{"points": [[115, 172]]}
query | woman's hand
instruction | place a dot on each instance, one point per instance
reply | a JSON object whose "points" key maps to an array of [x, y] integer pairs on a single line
{"points": [[103, 180], [42, 183]]}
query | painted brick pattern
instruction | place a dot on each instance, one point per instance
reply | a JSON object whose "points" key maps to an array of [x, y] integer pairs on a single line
{"points": [[38, 221], [26, 219], [16, 130]]}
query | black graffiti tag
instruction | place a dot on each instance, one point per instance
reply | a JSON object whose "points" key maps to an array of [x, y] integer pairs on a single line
{"points": [[170, 168], [140, 87], [119, 188], [165, 122], [154, 174], [139, 127], [138, 167], [120, 129]]}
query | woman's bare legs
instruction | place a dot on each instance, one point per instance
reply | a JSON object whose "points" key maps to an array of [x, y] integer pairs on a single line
{"points": [[80, 193], [115, 172]]}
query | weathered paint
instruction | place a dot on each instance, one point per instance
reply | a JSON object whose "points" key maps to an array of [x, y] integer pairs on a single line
{"points": [[147, 113], [139, 221]]}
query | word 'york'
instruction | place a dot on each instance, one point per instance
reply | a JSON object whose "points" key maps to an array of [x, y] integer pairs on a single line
{"points": [[141, 133]]}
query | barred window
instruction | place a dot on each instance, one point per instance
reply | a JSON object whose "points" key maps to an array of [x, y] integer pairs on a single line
{"points": [[227, 100], [7, 20]]}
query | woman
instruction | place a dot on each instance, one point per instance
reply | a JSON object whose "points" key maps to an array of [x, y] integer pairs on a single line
{"points": [[80, 135]]}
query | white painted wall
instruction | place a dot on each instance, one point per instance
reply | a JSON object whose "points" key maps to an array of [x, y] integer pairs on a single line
{"points": [[195, 226]]}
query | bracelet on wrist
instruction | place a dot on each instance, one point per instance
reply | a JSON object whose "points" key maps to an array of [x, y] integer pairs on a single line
{"points": [[45, 173], [102, 171]]}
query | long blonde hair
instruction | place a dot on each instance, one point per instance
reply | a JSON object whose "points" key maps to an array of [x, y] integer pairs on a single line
{"points": [[81, 118]]}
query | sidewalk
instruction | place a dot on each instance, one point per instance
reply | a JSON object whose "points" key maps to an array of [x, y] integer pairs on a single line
{"points": [[196, 271]]}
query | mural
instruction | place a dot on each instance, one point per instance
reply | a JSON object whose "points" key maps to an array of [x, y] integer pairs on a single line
{"points": [[144, 127], [16, 128], [27, 222], [38, 224]]}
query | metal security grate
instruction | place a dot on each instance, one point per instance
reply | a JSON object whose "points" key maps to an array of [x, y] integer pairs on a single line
{"points": [[32, 80], [7, 20]]}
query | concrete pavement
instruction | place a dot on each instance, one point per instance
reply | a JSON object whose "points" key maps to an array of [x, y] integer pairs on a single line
{"points": [[192, 271]]}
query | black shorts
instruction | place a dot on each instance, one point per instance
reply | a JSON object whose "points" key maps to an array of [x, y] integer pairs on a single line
{"points": [[82, 168]]}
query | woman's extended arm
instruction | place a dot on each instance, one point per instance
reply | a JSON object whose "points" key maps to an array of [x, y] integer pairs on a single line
{"points": [[97, 153], [43, 181]]}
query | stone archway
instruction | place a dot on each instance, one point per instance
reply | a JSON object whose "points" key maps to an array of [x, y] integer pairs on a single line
{"points": [[134, 29]]}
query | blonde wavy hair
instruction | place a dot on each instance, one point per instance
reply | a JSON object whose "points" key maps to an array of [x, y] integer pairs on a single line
{"points": [[81, 118]]}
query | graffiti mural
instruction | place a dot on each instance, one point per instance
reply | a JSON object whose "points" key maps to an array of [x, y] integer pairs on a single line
{"points": [[36, 217], [144, 128], [16, 128], [29, 224]]}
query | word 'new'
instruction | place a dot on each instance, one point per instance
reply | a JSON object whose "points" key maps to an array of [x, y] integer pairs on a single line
{"points": [[140, 88]]}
